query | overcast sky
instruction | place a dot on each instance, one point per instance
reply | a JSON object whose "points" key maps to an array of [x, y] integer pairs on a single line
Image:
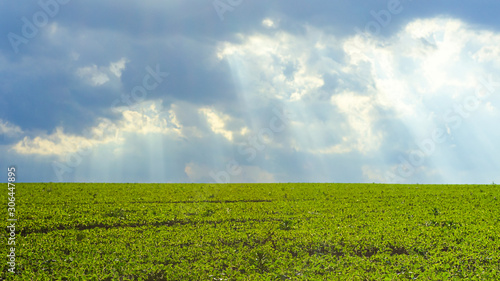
{"points": [[250, 91]]}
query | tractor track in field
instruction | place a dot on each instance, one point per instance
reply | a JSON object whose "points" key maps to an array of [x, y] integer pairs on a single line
{"points": [[172, 202], [25, 232]]}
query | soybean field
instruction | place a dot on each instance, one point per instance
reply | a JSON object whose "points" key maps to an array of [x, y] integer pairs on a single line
{"points": [[285, 231]]}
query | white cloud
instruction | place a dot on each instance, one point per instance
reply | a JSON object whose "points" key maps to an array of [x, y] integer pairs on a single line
{"points": [[268, 23], [117, 67], [359, 111], [61, 144], [100, 75], [217, 122], [9, 130], [261, 62], [93, 75], [147, 119], [410, 74]]}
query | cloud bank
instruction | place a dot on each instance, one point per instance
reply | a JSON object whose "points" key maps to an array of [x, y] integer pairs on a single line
{"points": [[385, 91]]}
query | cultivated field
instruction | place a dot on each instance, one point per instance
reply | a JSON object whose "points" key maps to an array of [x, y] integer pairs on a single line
{"points": [[255, 232]]}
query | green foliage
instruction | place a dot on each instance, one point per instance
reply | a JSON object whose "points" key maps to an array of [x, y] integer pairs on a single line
{"points": [[256, 232]]}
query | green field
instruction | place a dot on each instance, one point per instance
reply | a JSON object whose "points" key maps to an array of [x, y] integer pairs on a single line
{"points": [[294, 231]]}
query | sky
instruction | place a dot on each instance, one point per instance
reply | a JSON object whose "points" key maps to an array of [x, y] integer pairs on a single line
{"points": [[229, 91]]}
